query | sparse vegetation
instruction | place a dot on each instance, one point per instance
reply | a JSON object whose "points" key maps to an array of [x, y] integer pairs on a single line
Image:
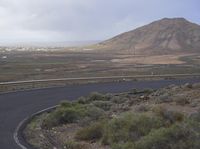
{"points": [[177, 136], [130, 127], [91, 133], [181, 100], [66, 113], [74, 145], [131, 120], [58, 64], [169, 115], [105, 105], [70, 113]]}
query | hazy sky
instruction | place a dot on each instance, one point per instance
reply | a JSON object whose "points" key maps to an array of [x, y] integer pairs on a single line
{"points": [[77, 20]]}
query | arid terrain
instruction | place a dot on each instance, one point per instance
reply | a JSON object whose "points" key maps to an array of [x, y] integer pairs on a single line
{"points": [[47, 65], [164, 46], [20, 66], [137, 119]]}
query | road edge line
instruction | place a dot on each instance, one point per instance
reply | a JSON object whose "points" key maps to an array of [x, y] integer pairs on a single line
{"points": [[20, 127]]}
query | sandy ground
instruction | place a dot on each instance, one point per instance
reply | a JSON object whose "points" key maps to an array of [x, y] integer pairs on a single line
{"points": [[160, 59]]}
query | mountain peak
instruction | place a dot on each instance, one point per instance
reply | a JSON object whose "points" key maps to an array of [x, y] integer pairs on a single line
{"points": [[174, 19], [163, 36], [173, 22]]}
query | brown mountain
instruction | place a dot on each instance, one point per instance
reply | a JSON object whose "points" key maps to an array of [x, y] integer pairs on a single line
{"points": [[160, 37]]}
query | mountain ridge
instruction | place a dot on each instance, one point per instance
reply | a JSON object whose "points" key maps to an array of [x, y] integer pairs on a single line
{"points": [[159, 37]]}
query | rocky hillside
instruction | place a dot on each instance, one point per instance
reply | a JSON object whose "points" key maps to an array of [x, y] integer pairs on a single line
{"points": [[160, 37]]}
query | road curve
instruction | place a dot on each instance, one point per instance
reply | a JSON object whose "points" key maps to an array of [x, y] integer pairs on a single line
{"points": [[16, 106]]}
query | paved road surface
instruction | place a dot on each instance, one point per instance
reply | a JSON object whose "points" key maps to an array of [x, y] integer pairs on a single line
{"points": [[14, 107]]}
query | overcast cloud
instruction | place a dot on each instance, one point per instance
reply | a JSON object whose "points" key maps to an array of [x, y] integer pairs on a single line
{"points": [[78, 20]]}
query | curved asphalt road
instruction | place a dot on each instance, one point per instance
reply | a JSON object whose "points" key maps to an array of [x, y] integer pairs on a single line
{"points": [[16, 106]]}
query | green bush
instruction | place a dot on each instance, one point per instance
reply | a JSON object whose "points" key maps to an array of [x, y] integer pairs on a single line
{"points": [[184, 135], [105, 105], [178, 136], [96, 96], [82, 100], [66, 104], [169, 115], [118, 100], [91, 133], [66, 113], [130, 127], [72, 112], [94, 113]]}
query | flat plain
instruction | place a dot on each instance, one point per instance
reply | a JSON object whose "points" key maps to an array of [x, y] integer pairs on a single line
{"points": [[50, 65]]}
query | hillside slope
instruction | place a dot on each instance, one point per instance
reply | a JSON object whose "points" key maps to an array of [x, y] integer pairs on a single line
{"points": [[164, 36]]}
